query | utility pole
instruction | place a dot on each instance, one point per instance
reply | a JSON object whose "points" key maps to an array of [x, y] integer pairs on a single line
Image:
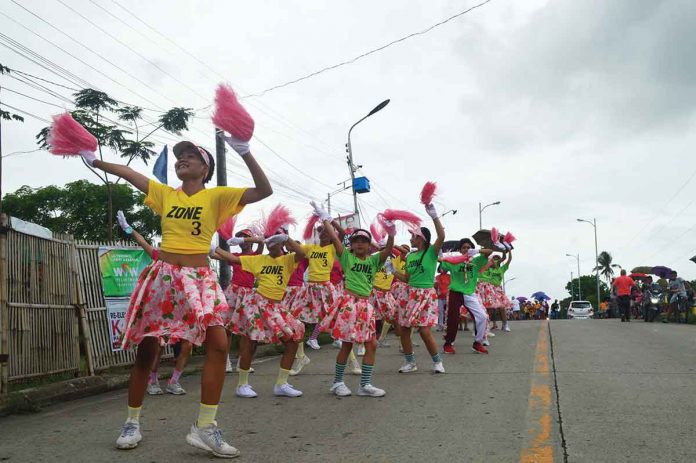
{"points": [[221, 165], [328, 202]]}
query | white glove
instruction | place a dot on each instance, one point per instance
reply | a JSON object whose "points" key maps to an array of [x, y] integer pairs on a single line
{"points": [[89, 157], [241, 147], [473, 252], [213, 249], [275, 239], [234, 241], [123, 223], [500, 245], [440, 254], [507, 245], [430, 210], [320, 212], [388, 267], [389, 227]]}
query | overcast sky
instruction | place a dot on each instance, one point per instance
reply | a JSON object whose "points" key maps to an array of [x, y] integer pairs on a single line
{"points": [[560, 110]]}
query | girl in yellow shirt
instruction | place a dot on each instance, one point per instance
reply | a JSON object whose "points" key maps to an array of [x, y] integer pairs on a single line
{"points": [[178, 296], [263, 318]]}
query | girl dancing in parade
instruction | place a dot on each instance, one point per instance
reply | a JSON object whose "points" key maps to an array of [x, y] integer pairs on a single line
{"points": [[351, 318], [263, 318], [490, 289]]}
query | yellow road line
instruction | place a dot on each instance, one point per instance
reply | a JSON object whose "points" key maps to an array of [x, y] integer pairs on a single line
{"points": [[539, 446]]}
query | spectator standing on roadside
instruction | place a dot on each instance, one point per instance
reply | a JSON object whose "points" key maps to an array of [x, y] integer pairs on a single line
{"points": [[622, 286], [442, 283], [554, 310]]}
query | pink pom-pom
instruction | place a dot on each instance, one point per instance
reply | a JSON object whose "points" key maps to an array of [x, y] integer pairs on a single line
{"points": [[279, 217], [409, 218], [227, 229], [67, 137], [428, 193], [456, 259], [509, 238], [230, 115], [309, 228], [495, 236], [377, 231]]}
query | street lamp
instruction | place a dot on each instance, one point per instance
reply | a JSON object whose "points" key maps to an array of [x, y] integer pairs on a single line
{"points": [[349, 149], [578, 258], [481, 209], [507, 281], [594, 225]]}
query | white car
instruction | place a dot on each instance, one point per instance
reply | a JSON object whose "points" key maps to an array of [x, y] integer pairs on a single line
{"points": [[581, 310]]}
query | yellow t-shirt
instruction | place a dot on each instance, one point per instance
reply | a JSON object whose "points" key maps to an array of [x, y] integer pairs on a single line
{"points": [[188, 222], [320, 260], [272, 274], [383, 281], [399, 264]]}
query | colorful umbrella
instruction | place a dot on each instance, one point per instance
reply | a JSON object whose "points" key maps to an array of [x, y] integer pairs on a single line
{"points": [[661, 271], [521, 298], [540, 296], [642, 269]]}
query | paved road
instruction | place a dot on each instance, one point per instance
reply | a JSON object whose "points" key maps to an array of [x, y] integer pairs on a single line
{"points": [[624, 396]]}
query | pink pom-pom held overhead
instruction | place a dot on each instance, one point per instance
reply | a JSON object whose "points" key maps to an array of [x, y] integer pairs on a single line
{"points": [[226, 229], [230, 115], [377, 231], [409, 218], [456, 260], [309, 228], [279, 217], [67, 137], [428, 193], [509, 238], [495, 236]]}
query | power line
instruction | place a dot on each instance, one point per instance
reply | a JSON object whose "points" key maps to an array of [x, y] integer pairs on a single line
{"points": [[367, 53], [25, 113]]}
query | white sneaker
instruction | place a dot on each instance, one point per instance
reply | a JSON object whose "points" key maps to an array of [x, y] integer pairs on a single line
{"points": [[438, 367], [408, 367], [286, 390], [369, 390], [298, 365], [360, 350], [486, 343], [314, 344], [355, 368], [491, 334], [228, 365], [246, 391], [154, 389], [340, 389], [337, 344], [506, 328], [175, 388], [130, 435], [210, 439]]}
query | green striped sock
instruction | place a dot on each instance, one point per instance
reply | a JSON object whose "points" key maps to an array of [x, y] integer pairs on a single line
{"points": [[366, 376], [411, 358], [436, 358], [338, 376]]}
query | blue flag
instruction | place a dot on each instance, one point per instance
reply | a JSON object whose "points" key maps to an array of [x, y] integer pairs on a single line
{"points": [[160, 167]]}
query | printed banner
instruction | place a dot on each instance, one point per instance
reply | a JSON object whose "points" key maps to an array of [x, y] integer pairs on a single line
{"points": [[349, 223], [120, 268], [116, 308]]}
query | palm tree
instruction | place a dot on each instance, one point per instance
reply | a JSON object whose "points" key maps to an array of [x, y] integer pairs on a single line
{"points": [[605, 266]]}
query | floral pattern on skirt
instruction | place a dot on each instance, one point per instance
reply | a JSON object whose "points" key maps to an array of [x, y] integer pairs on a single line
{"points": [[235, 296], [312, 301], [350, 319], [174, 303], [384, 304], [491, 296], [290, 295], [400, 292], [265, 321], [420, 309]]}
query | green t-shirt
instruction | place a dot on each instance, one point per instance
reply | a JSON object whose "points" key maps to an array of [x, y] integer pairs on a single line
{"points": [[494, 275], [465, 275], [358, 273], [421, 273]]}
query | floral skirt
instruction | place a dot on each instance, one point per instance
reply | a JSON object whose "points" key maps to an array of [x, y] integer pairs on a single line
{"points": [[384, 304], [290, 295], [236, 295], [350, 319], [400, 292], [420, 308], [265, 321], [174, 303], [492, 297], [311, 301]]}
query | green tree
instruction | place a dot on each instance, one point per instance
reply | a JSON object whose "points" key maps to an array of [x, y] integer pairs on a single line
{"points": [[6, 115], [606, 266], [78, 208], [588, 287], [92, 110]]}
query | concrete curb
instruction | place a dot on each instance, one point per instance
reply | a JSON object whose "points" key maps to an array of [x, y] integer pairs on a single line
{"points": [[34, 399]]}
